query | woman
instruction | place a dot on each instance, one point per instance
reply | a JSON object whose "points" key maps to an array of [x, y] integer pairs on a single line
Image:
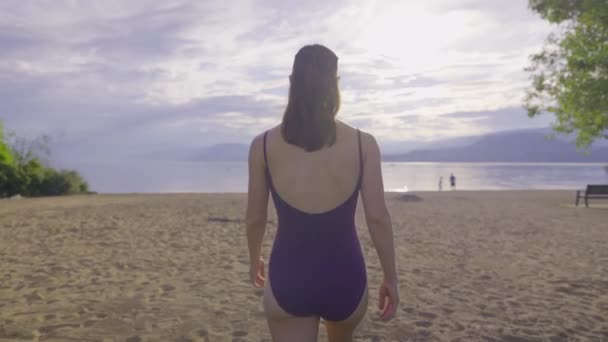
{"points": [[315, 167]]}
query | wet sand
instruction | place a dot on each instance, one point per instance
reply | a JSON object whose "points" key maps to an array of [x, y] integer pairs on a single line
{"points": [[474, 266]]}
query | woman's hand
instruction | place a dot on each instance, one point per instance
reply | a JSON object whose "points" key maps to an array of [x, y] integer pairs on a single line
{"points": [[388, 300], [256, 273]]}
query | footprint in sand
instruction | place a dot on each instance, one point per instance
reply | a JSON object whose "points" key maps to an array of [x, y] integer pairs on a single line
{"points": [[559, 338], [50, 329], [202, 333], [33, 297], [167, 290], [511, 338], [458, 326], [239, 333], [427, 315], [424, 324], [447, 311], [408, 310], [89, 323]]}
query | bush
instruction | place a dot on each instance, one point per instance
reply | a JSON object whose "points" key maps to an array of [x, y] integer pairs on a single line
{"points": [[64, 182], [35, 180], [12, 181], [34, 174], [22, 172]]}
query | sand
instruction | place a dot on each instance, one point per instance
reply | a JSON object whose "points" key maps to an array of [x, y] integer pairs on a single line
{"points": [[474, 266]]}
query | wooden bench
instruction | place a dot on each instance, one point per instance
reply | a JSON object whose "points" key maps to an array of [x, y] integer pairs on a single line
{"points": [[593, 191]]}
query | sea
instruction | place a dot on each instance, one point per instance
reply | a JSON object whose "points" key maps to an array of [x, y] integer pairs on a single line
{"points": [[231, 177]]}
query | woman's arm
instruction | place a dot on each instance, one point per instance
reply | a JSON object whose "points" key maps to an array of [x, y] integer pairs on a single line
{"points": [[376, 214], [379, 225], [257, 199]]}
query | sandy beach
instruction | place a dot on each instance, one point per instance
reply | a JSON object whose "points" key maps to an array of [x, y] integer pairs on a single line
{"points": [[474, 266]]}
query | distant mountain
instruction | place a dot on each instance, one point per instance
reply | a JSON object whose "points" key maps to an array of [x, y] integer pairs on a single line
{"points": [[404, 146], [529, 145], [515, 146], [239, 152]]}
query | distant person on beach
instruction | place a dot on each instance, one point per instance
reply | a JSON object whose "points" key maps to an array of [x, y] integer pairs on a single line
{"points": [[315, 167], [453, 181], [440, 183]]}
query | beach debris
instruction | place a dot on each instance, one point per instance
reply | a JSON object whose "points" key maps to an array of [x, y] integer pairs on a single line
{"points": [[223, 219], [409, 198], [231, 220], [16, 197]]}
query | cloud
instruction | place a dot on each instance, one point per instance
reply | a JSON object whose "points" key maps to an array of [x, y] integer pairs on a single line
{"points": [[13, 41], [500, 120], [122, 78], [149, 35]]}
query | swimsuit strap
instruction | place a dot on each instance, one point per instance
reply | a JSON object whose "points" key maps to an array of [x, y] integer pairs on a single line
{"points": [[360, 159]]}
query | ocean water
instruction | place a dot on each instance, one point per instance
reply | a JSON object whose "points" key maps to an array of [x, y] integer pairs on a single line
{"points": [[162, 177]]}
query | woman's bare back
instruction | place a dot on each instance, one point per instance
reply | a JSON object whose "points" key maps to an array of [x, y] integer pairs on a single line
{"points": [[318, 181]]}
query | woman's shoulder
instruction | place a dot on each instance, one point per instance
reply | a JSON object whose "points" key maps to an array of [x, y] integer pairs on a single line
{"points": [[259, 138], [257, 143], [366, 137]]}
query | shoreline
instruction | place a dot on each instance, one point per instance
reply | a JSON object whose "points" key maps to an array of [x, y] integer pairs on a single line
{"points": [[245, 193]]}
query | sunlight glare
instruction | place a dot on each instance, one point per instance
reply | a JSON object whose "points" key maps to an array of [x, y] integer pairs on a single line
{"points": [[413, 35]]}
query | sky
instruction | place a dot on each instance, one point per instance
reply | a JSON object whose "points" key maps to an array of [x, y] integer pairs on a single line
{"points": [[118, 79]]}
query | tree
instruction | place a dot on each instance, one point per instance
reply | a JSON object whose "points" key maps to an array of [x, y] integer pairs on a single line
{"points": [[5, 152], [25, 149], [570, 74]]}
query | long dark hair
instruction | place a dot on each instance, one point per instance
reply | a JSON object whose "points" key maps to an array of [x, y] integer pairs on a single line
{"points": [[314, 99]]}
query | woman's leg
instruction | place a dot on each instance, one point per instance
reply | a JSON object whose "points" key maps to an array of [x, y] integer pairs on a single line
{"points": [[285, 327], [342, 331]]}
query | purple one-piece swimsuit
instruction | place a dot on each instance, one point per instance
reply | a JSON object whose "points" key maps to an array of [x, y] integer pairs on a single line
{"points": [[316, 265]]}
